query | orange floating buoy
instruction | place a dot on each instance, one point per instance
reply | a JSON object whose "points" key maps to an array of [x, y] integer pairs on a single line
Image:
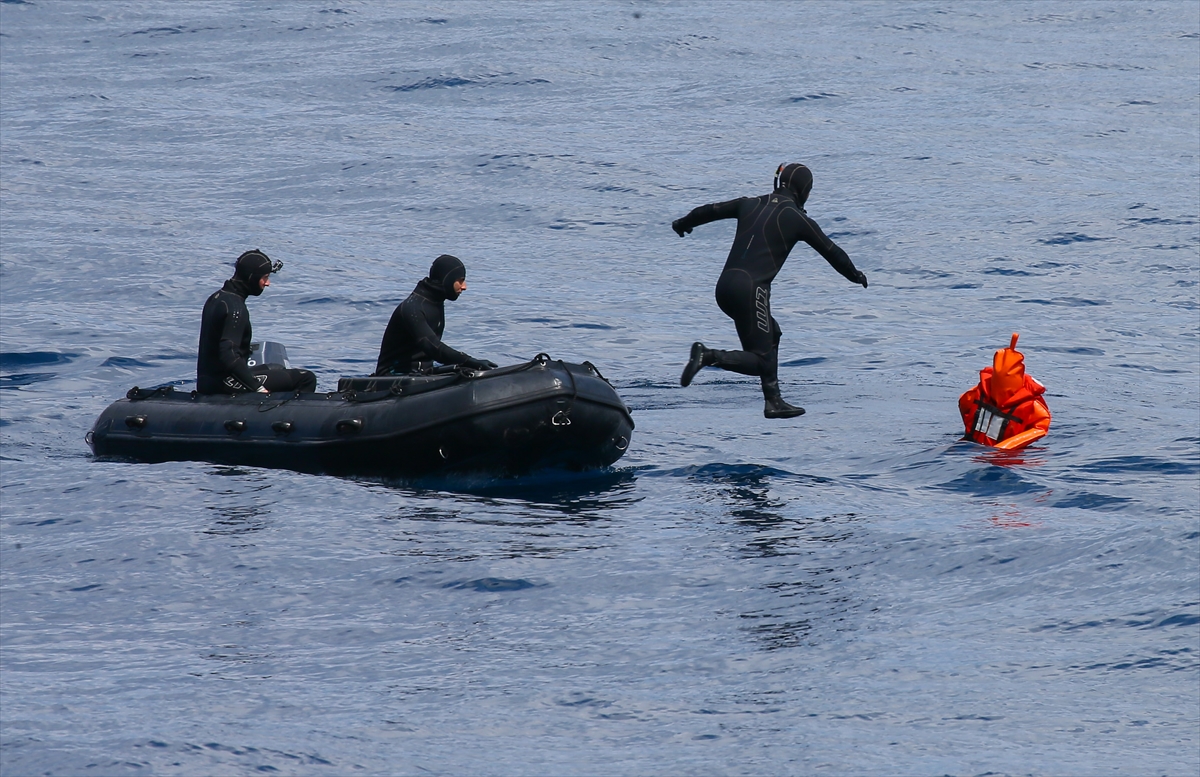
{"points": [[1007, 409]]}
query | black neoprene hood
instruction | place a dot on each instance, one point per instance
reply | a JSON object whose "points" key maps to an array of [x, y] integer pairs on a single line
{"points": [[797, 179], [444, 271], [252, 265]]}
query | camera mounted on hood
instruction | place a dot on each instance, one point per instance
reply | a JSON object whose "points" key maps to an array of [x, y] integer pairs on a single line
{"points": [[254, 264]]}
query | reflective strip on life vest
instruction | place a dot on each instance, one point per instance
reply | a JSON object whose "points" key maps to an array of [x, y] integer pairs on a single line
{"points": [[992, 421]]}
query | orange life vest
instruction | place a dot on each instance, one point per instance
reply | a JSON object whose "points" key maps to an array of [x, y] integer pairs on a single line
{"points": [[1006, 409]]}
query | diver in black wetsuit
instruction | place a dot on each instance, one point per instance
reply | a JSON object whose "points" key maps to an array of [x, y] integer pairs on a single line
{"points": [[412, 341], [225, 337], [767, 229]]}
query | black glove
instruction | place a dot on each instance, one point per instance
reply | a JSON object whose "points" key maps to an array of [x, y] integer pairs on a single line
{"points": [[860, 278], [679, 228], [480, 364]]}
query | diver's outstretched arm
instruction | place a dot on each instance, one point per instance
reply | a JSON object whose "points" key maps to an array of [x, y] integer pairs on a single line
{"points": [[833, 253], [706, 213]]}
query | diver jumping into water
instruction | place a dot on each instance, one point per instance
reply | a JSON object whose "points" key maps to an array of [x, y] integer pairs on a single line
{"points": [[767, 229]]}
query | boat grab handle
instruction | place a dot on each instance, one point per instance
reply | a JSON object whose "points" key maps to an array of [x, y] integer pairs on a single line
{"points": [[350, 425]]}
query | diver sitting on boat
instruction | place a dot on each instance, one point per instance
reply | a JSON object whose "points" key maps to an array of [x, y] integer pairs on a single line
{"points": [[225, 332], [412, 341]]}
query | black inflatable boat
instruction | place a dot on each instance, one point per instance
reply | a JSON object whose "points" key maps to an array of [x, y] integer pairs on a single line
{"points": [[545, 413]]}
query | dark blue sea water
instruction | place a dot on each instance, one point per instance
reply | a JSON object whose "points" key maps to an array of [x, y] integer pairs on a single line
{"points": [[850, 593]]}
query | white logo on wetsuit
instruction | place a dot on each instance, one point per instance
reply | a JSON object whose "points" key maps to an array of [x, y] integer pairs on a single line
{"points": [[762, 304]]}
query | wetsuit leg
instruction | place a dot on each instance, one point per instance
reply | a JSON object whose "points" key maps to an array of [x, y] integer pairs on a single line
{"points": [[774, 406], [287, 380], [770, 364], [206, 384], [749, 305]]}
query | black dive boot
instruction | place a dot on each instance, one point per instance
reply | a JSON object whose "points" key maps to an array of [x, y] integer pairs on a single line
{"points": [[774, 406], [701, 357]]}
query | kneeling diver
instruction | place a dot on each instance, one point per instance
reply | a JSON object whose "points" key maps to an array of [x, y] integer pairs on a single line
{"points": [[412, 341], [225, 334], [767, 229]]}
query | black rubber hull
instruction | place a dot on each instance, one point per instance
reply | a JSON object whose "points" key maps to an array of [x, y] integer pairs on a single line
{"points": [[543, 414]]}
